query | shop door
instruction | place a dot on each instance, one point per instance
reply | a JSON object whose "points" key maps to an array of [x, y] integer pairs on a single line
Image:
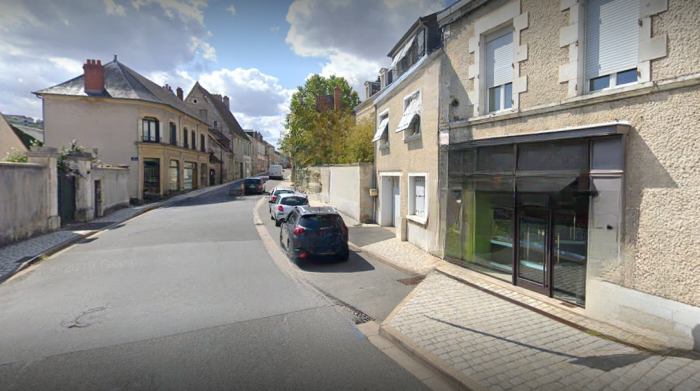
{"points": [[533, 252]]}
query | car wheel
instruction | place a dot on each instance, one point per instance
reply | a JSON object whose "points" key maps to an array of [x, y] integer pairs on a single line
{"points": [[271, 216], [277, 223], [345, 256], [281, 242], [290, 253]]}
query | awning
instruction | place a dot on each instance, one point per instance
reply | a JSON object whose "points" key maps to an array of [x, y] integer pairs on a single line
{"points": [[383, 126], [413, 110], [403, 52]]}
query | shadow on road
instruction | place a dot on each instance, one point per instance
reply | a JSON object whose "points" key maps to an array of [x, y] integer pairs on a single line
{"points": [[355, 264]]}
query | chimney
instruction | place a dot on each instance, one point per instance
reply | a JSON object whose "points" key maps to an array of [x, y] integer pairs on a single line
{"points": [[94, 77], [226, 102], [336, 98], [179, 93]]}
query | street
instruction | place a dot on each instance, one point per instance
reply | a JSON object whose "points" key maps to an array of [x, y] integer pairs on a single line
{"points": [[187, 297]]}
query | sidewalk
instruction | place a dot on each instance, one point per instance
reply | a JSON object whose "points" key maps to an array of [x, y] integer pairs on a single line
{"points": [[481, 334], [17, 256]]}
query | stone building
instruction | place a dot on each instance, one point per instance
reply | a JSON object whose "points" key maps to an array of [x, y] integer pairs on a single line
{"points": [[130, 121], [406, 138], [569, 165]]}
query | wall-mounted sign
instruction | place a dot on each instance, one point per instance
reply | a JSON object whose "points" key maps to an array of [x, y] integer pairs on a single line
{"points": [[444, 138], [134, 158]]}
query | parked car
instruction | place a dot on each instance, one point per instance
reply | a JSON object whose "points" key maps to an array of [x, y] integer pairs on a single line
{"points": [[275, 172], [274, 194], [314, 231], [284, 204], [254, 185]]}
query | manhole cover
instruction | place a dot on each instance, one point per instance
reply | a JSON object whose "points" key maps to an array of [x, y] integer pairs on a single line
{"points": [[412, 280]]}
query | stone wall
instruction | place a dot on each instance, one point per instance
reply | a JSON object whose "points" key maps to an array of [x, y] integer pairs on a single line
{"points": [[115, 188], [24, 210]]}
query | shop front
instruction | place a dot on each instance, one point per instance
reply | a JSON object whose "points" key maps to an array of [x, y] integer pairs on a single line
{"points": [[521, 208]]}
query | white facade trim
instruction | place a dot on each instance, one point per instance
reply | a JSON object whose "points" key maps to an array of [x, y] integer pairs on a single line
{"points": [[390, 173], [488, 24], [650, 48], [411, 197]]}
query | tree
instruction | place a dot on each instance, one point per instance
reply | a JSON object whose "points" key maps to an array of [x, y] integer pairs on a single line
{"points": [[317, 137]]}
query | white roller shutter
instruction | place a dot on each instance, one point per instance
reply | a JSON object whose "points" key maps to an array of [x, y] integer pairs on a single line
{"points": [[413, 108], [612, 36], [381, 129], [499, 58], [419, 183]]}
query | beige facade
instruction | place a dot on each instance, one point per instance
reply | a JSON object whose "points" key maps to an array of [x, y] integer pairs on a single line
{"points": [[114, 128], [643, 267], [407, 157]]}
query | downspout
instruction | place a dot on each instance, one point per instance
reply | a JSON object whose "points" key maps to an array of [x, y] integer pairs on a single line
{"points": [[374, 176]]}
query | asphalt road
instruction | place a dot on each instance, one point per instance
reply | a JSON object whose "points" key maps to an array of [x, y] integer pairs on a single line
{"points": [[187, 298], [362, 282]]}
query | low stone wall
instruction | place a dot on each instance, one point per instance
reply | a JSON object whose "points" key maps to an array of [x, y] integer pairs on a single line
{"points": [[24, 207], [114, 184]]}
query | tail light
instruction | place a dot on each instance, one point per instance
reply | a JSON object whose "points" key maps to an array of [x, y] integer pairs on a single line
{"points": [[273, 198], [280, 208], [299, 230]]}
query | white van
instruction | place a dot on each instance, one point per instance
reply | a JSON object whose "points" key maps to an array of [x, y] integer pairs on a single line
{"points": [[275, 172]]}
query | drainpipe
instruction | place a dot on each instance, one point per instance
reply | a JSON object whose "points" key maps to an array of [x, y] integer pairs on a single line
{"points": [[374, 174]]}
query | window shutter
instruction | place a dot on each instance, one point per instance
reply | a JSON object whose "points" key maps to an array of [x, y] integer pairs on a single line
{"points": [[499, 58], [419, 196], [612, 36]]}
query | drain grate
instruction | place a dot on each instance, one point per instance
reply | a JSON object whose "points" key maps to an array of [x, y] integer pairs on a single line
{"points": [[412, 280]]}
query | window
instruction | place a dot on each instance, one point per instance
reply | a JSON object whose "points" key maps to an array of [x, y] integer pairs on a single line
{"points": [[417, 205], [173, 134], [202, 147], [611, 43], [194, 141], [185, 143], [150, 131], [499, 70], [382, 133], [216, 124], [174, 175], [411, 113]]}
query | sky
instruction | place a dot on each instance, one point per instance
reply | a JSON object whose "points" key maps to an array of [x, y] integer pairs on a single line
{"points": [[256, 52]]}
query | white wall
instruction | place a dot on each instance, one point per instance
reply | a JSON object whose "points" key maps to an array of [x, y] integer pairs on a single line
{"points": [[115, 188]]}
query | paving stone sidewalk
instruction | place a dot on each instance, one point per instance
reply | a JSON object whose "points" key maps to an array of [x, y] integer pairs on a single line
{"points": [[12, 257], [504, 346]]}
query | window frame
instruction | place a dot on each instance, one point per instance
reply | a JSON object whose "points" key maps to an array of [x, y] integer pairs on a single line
{"points": [[152, 133], [613, 81], [411, 183], [173, 133], [491, 35], [186, 134], [384, 140]]}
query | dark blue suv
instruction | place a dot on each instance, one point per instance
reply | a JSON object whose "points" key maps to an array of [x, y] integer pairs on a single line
{"points": [[311, 231]]}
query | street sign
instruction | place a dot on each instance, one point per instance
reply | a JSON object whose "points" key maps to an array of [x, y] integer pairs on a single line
{"points": [[134, 158]]}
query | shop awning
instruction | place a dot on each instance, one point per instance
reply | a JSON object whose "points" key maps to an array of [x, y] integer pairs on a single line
{"points": [[413, 110], [383, 126], [403, 52]]}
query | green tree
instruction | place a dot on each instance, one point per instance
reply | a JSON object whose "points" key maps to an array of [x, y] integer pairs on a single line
{"points": [[319, 137]]}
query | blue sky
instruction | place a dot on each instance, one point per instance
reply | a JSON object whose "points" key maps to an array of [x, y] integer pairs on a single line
{"points": [[256, 52]]}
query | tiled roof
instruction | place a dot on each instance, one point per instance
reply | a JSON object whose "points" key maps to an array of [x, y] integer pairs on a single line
{"points": [[121, 82], [221, 138], [223, 110]]}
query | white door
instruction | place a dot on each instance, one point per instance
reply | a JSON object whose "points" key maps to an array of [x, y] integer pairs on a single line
{"points": [[396, 201]]}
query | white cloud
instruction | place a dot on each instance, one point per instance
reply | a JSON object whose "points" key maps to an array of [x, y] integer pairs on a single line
{"points": [[318, 28], [232, 10], [45, 43], [275, 29]]}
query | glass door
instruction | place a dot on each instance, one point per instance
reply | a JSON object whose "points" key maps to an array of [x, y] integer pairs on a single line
{"points": [[533, 253]]}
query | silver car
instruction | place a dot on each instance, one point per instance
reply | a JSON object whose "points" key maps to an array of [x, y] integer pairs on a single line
{"points": [[284, 204], [274, 194]]}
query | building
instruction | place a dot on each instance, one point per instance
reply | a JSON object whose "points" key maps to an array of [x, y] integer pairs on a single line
{"points": [[130, 121], [271, 156], [259, 151], [220, 158], [12, 139], [569, 154], [216, 109], [406, 138]]}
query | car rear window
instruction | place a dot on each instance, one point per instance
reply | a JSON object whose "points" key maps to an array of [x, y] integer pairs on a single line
{"points": [[252, 181], [320, 221], [294, 201]]}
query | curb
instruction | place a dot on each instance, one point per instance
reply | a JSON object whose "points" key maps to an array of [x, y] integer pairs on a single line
{"points": [[388, 261], [447, 373]]}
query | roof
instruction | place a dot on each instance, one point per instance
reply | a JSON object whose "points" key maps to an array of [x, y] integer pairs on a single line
{"points": [[428, 18], [25, 138], [121, 82], [31, 131], [220, 138], [223, 110]]}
